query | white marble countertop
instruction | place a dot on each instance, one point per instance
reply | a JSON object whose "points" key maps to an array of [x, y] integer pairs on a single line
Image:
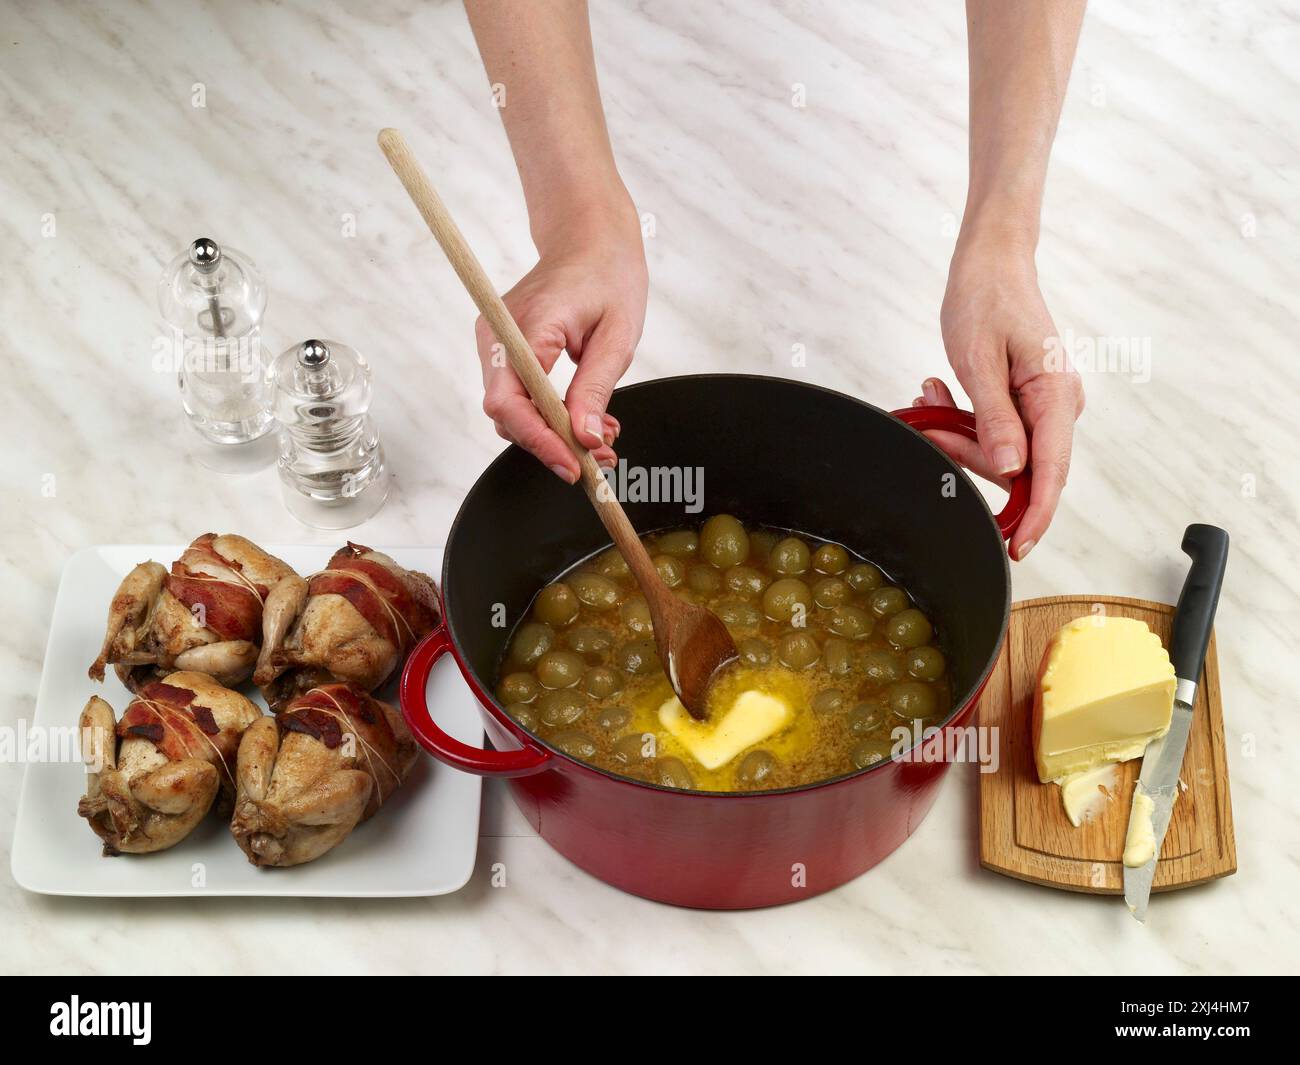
{"points": [[1172, 216]]}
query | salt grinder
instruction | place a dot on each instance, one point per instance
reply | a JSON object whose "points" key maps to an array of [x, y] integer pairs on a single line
{"points": [[332, 472], [213, 299]]}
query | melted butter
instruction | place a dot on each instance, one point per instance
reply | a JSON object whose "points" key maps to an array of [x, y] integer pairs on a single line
{"points": [[789, 732], [751, 719]]}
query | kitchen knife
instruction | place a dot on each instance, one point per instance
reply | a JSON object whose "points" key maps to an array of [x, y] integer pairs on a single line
{"points": [[1193, 620]]}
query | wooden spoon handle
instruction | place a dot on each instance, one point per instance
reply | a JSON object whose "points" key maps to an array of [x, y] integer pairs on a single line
{"points": [[522, 359]]}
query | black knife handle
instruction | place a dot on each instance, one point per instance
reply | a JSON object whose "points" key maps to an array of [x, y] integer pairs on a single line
{"points": [[1208, 547]]}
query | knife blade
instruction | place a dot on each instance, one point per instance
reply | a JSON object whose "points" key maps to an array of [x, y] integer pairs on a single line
{"points": [[1207, 546]]}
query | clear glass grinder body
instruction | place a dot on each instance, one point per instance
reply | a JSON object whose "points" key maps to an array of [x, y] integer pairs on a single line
{"points": [[332, 469], [213, 299]]}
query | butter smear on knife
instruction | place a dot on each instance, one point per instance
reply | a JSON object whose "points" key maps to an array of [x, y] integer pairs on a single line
{"points": [[1140, 847]]}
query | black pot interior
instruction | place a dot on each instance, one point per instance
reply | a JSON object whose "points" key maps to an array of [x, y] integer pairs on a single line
{"points": [[772, 452]]}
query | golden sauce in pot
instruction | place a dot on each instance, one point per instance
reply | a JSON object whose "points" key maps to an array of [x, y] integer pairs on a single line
{"points": [[819, 629]]}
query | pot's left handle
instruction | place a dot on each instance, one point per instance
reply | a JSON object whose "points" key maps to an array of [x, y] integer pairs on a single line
{"points": [[415, 708], [962, 422]]}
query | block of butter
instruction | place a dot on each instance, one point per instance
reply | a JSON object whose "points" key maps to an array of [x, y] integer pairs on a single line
{"points": [[1105, 690], [751, 719]]}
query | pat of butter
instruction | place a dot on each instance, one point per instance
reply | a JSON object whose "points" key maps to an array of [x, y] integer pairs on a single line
{"points": [[1105, 690], [1140, 846], [1083, 795], [751, 719]]}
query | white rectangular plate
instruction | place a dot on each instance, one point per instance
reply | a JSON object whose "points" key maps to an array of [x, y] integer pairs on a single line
{"points": [[422, 842]]}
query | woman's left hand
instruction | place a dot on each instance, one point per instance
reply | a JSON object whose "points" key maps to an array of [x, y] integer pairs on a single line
{"points": [[1004, 350]]}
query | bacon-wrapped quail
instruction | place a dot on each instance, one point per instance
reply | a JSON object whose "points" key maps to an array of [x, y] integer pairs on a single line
{"points": [[308, 776], [153, 775], [205, 615], [355, 621]]}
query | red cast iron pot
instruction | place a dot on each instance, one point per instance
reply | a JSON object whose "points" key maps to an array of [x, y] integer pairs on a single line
{"points": [[772, 452]]}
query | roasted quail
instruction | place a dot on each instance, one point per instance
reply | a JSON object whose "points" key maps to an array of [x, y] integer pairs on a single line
{"points": [[205, 615], [308, 776], [153, 775], [355, 621]]}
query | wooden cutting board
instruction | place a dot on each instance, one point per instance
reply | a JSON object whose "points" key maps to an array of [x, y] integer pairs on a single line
{"points": [[1023, 828]]}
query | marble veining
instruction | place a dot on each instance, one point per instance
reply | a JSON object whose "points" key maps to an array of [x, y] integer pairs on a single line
{"points": [[1172, 217]]}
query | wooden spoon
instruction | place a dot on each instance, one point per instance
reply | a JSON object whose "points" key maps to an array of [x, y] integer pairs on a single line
{"points": [[693, 644]]}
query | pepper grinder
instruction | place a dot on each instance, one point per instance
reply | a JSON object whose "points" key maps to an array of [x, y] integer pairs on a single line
{"points": [[213, 298], [332, 472]]}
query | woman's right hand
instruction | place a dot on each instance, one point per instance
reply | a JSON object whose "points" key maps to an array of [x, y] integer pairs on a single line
{"points": [[586, 296]]}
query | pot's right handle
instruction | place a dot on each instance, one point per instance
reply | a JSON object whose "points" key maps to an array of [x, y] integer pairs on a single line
{"points": [[415, 708], [952, 420]]}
